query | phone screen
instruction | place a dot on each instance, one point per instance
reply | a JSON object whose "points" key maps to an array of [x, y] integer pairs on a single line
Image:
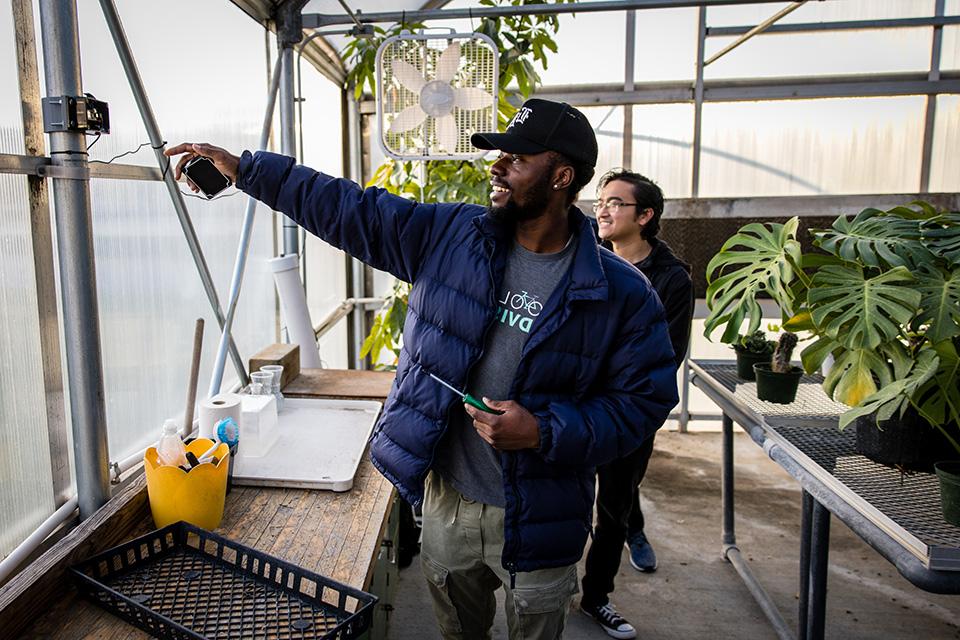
{"points": [[206, 177]]}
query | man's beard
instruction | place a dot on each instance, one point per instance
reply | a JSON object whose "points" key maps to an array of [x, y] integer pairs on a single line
{"points": [[532, 206]]}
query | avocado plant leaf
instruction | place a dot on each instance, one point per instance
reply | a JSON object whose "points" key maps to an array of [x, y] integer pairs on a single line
{"points": [[861, 312], [939, 303], [876, 239], [760, 258]]}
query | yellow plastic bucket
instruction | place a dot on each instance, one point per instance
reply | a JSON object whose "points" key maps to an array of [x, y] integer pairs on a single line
{"points": [[196, 497]]}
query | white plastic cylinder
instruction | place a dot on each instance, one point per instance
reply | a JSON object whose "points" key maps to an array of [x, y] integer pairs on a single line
{"points": [[293, 301]]}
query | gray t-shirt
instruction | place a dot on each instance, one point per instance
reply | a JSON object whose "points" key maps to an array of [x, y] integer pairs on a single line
{"points": [[463, 458]]}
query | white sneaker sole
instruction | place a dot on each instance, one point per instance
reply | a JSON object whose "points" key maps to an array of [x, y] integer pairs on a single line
{"points": [[642, 569]]}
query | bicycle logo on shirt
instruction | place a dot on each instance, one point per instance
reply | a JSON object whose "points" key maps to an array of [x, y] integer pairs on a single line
{"points": [[523, 300]]}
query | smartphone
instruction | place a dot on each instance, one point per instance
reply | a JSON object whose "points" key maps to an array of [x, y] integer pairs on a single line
{"points": [[206, 177]]}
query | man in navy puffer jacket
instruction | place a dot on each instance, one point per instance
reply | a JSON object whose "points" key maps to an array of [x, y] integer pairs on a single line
{"points": [[517, 303]]}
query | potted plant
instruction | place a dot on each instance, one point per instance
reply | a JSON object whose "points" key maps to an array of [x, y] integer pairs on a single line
{"points": [[778, 380], [882, 297], [751, 349]]}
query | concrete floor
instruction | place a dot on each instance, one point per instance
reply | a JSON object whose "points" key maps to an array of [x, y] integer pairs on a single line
{"points": [[696, 594]]}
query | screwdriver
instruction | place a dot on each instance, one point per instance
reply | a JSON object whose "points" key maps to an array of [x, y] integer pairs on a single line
{"points": [[467, 398]]}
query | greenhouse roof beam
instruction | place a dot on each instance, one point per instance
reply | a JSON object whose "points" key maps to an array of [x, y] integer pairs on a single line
{"points": [[318, 20], [847, 25], [796, 88], [760, 28]]}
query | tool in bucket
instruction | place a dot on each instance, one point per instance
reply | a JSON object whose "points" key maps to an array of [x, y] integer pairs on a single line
{"points": [[467, 398]]}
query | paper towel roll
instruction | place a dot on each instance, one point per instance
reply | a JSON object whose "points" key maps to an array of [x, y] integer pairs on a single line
{"points": [[215, 409]]}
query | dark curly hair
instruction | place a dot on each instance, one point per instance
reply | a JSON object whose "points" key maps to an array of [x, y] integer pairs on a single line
{"points": [[645, 191]]}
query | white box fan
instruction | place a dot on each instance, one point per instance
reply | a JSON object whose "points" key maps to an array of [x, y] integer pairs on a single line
{"points": [[435, 91]]}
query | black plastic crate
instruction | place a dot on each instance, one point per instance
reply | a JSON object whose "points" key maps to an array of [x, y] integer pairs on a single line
{"points": [[185, 582]]}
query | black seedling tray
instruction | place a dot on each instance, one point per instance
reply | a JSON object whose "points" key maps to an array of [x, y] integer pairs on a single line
{"points": [[185, 582]]}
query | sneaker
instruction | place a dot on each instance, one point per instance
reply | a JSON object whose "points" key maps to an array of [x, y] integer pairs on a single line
{"points": [[642, 557], [611, 621]]}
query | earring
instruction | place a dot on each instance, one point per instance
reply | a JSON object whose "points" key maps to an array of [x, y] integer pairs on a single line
{"points": [[556, 186]]}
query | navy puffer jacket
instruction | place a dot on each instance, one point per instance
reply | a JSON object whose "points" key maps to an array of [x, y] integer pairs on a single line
{"points": [[597, 370]]}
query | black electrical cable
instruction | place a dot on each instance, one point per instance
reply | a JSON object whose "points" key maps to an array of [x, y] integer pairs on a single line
{"points": [[163, 172]]}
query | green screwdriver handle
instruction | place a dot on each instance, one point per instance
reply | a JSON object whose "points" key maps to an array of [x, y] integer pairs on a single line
{"points": [[479, 404]]}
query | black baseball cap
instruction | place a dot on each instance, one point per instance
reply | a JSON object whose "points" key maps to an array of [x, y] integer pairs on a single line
{"points": [[544, 125]]}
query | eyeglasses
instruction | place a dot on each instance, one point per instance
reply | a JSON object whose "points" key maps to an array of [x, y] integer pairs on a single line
{"points": [[612, 205]]}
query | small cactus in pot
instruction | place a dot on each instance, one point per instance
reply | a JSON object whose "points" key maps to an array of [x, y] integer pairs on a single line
{"points": [[780, 361], [778, 380]]}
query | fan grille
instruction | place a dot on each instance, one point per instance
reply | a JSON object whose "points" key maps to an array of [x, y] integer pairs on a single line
{"points": [[476, 69]]}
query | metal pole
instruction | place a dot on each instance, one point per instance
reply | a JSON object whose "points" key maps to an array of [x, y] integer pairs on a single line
{"points": [[356, 267], [819, 551], [684, 394], [41, 236], [158, 144], [316, 20], [243, 247], [288, 138], [806, 516], [78, 278], [698, 103], [628, 73], [760, 28], [726, 486], [930, 114]]}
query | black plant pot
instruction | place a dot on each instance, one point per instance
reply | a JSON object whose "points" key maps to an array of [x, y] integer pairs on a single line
{"points": [[908, 441], [774, 386], [949, 476], [746, 360]]}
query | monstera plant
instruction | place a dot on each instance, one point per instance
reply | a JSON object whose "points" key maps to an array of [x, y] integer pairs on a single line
{"points": [[882, 297]]}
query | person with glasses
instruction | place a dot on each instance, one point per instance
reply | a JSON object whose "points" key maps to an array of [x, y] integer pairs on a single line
{"points": [[628, 211]]}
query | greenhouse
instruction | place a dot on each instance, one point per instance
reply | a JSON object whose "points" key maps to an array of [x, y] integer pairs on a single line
{"points": [[473, 319]]}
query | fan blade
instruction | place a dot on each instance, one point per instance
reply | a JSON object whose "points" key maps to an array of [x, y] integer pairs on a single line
{"points": [[449, 63], [408, 75], [471, 98], [447, 133], [409, 118]]}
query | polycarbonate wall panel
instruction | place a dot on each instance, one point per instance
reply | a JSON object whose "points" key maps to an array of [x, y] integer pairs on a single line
{"points": [[944, 161], [607, 123], [663, 146], [26, 480], [812, 147], [325, 271], [666, 45], [950, 49], [150, 296], [11, 121], [205, 85]]}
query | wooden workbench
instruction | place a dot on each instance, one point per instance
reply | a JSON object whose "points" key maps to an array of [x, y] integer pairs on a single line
{"points": [[338, 535]]}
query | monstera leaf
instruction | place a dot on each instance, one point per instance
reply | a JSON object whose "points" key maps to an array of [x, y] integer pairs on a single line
{"points": [[861, 312], [852, 377], [942, 235], [940, 302], [938, 400], [759, 258], [875, 238], [897, 392]]}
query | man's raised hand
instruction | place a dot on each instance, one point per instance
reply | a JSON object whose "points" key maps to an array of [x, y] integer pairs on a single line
{"points": [[227, 163]]}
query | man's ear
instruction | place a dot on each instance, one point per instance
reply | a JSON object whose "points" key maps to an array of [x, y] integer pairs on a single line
{"points": [[645, 217], [562, 176]]}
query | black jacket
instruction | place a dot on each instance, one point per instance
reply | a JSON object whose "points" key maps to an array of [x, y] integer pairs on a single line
{"points": [[670, 277]]}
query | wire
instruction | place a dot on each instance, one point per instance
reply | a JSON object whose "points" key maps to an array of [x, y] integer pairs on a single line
{"points": [[163, 172], [95, 141]]}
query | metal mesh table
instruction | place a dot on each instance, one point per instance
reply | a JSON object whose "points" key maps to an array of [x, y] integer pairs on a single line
{"points": [[898, 514], [808, 428]]}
